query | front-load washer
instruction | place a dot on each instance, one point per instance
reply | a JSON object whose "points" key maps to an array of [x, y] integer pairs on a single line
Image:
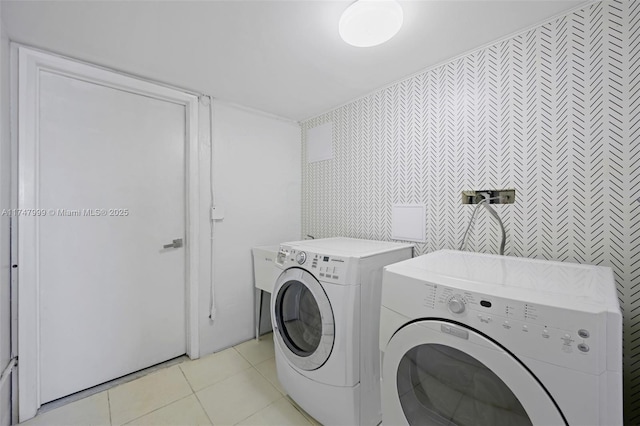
{"points": [[325, 311], [481, 339]]}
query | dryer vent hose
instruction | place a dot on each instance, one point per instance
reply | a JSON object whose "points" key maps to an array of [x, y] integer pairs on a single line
{"points": [[485, 203]]}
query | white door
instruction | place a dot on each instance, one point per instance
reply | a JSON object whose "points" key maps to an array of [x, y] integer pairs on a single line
{"points": [[438, 373], [103, 168]]}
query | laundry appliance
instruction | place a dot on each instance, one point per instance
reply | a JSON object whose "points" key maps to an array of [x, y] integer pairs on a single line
{"points": [[325, 311], [481, 339]]}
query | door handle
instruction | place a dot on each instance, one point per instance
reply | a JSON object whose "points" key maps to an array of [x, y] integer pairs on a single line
{"points": [[175, 244]]}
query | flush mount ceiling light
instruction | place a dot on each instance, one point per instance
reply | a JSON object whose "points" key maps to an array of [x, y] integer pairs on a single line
{"points": [[367, 23]]}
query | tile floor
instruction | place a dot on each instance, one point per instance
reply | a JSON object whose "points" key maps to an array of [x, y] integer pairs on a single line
{"points": [[235, 386]]}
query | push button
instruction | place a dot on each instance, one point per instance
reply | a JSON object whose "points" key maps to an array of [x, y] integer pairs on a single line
{"points": [[484, 319], [567, 339], [583, 333], [583, 347]]}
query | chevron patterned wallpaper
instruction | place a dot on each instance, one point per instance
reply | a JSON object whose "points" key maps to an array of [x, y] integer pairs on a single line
{"points": [[553, 112]]}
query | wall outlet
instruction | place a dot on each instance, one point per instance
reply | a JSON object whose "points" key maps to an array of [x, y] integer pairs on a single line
{"points": [[217, 213], [496, 196]]}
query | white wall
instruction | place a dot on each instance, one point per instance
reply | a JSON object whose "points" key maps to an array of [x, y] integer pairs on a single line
{"points": [[5, 198], [257, 180]]}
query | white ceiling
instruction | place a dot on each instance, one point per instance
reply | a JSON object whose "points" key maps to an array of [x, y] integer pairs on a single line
{"points": [[281, 57]]}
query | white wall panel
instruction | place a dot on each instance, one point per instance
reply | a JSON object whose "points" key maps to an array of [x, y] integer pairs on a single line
{"points": [[553, 112], [257, 181]]}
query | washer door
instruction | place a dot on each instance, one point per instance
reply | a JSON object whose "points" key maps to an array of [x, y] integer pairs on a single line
{"points": [[439, 373], [303, 319]]}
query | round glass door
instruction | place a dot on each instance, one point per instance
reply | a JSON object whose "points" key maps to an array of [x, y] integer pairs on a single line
{"points": [[299, 318], [435, 372], [303, 319], [440, 385]]}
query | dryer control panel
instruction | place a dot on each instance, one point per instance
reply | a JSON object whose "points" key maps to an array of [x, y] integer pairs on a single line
{"points": [[540, 332], [326, 268], [568, 338]]}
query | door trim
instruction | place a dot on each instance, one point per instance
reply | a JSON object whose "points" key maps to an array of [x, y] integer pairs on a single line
{"points": [[30, 63]]}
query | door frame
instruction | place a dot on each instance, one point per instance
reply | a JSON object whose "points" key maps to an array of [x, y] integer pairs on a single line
{"points": [[30, 62]]}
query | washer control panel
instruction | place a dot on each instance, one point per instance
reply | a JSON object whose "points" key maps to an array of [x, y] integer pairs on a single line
{"points": [[334, 269], [539, 331]]}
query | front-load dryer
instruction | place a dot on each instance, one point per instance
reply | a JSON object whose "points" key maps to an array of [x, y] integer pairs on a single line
{"points": [[325, 311], [481, 339]]}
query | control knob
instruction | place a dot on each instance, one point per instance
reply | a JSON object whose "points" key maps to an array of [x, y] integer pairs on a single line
{"points": [[457, 304], [301, 257]]}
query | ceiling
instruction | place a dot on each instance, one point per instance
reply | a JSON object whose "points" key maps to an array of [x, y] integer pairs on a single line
{"points": [[281, 57]]}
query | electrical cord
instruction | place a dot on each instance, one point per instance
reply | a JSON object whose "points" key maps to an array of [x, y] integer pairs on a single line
{"points": [[485, 203], [212, 306]]}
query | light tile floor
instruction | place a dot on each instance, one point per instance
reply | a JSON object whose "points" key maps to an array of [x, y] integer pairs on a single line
{"points": [[236, 386]]}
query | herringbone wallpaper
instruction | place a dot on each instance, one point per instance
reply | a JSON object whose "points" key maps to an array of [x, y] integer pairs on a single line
{"points": [[553, 113]]}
